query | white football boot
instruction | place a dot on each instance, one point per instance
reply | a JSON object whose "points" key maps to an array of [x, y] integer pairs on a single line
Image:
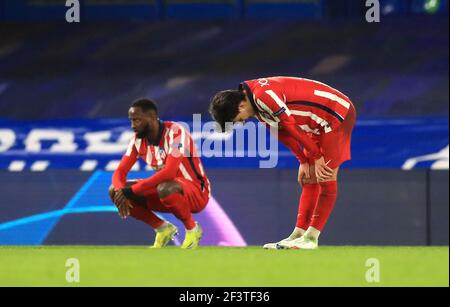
{"points": [[303, 243], [297, 233], [308, 241]]}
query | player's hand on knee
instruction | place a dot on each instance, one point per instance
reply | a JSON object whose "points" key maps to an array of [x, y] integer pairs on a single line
{"points": [[124, 209], [123, 212], [303, 173], [111, 193], [119, 197], [122, 204], [323, 171]]}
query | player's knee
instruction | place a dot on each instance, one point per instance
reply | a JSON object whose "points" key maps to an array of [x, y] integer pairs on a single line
{"points": [[111, 191], [328, 188], [167, 188], [332, 178], [311, 180], [130, 183]]}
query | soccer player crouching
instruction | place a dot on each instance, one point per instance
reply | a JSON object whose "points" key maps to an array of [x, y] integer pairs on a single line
{"points": [[306, 113], [179, 186]]}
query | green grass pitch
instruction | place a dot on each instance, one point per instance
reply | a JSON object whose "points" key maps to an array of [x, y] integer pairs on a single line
{"points": [[224, 266]]}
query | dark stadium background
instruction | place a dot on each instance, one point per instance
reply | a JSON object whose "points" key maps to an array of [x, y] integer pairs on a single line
{"points": [[79, 78]]}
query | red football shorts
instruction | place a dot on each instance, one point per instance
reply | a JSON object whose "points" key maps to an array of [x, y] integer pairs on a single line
{"points": [[336, 145], [195, 198]]}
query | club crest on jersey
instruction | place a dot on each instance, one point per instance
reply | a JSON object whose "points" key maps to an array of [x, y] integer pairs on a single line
{"points": [[162, 153], [263, 82]]}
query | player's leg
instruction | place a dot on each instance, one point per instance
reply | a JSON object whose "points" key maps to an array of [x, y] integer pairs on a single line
{"points": [[165, 231], [322, 211], [336, 149], [171, 195], [181, 198], [325, 205], [317, 215], [307, 202], [139, 210]]}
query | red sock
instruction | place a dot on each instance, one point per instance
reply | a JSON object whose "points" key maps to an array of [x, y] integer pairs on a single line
{"points": [[327, 198], [146, 216], [177, 205], [306, 205]]}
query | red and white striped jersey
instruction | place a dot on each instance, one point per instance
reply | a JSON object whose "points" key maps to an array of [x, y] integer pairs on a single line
{"points": [[316, 107], [172, 155]]}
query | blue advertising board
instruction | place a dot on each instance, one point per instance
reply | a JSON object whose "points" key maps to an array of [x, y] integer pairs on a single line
{"points": [[88, 145]]}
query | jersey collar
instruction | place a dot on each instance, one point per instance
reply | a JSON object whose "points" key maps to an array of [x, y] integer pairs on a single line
{"points": [[160, 133]]}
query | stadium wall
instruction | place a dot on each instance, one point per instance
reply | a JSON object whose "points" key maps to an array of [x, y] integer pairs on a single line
{"points": [[251, 206]]}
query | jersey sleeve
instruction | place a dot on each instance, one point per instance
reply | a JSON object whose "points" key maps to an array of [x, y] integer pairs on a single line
{"points": [[273, 101], [290, 143], [176, 144], [293, 146], [119, 177]]}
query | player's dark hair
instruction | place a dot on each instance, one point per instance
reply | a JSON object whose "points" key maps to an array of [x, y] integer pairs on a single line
{"points": [[145, 104], [224, 106]]}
